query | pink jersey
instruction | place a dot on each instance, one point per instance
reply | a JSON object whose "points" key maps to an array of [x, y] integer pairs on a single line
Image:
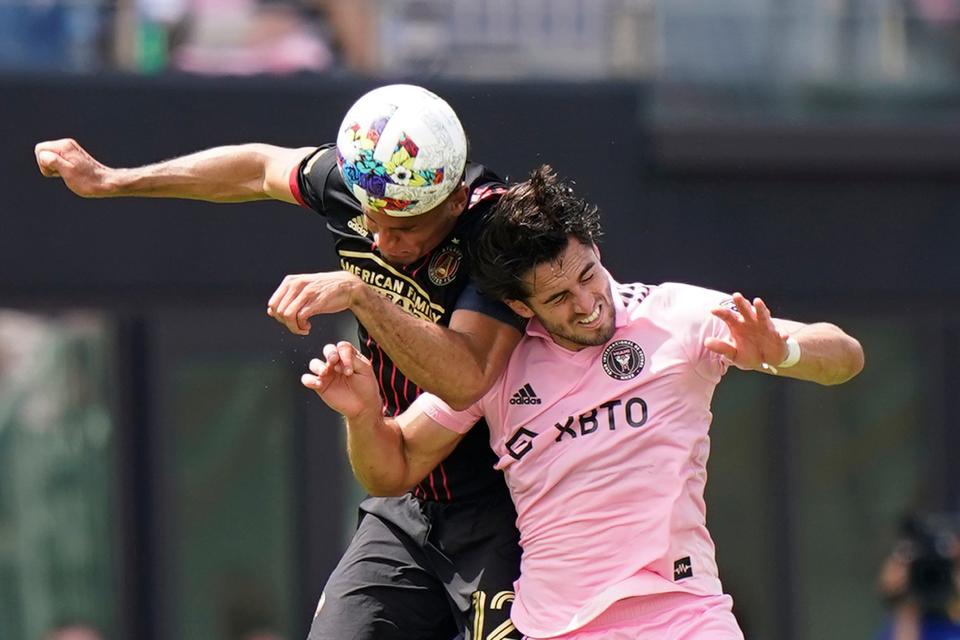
{"points": [[605, 451]]}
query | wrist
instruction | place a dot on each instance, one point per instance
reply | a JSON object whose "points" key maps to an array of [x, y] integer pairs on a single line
{"points": [[793, 353], [356, 291], [115, 182]]}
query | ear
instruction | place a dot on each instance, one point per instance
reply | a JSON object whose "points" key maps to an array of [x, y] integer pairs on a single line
{"points": [[457, 200], [520, 308]]}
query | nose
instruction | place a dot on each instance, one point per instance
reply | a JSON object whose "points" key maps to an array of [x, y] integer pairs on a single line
{"points": [[583, 300], [386, 240]]}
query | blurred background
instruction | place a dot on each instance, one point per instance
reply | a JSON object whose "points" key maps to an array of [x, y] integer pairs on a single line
{"points": [[162, 473]]}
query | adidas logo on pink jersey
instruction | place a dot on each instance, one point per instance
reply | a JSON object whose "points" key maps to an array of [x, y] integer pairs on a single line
{"points": [[525, 395]]}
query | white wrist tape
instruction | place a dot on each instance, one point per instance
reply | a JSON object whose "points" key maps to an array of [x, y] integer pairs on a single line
{"points": [[793, 353]]}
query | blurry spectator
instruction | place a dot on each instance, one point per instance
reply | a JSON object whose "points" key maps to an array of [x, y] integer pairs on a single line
{"points": [[74, 630], [354, 29], [245, 36], [242, 37], [919, 581], [51, 35]]}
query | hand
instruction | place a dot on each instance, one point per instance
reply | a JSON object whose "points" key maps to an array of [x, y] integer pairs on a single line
{"points": [[345, 381], [80, 171], [755, 339], [300, 297]]}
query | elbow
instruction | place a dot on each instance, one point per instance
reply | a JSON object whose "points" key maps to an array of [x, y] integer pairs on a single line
{"points": [[388, 488], [466, 392], [852, 363], [385, 492], [384, 488]]}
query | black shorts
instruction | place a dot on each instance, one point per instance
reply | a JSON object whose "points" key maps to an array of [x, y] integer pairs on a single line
{"points": [[418, 570]]}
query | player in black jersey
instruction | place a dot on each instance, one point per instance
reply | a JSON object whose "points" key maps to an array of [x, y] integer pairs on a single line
{"points": [[402, 205]]}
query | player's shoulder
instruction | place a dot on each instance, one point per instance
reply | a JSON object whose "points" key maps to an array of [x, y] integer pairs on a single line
{"points": [[484, 188], [323, 189], [678, 299]]}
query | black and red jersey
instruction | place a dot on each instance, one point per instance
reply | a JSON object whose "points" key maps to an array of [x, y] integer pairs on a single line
{"points": [[430, 288]]}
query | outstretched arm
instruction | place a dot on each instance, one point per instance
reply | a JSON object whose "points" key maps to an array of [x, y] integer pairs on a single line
{"points": [[237, 173], [759, 342], [388, 455]]}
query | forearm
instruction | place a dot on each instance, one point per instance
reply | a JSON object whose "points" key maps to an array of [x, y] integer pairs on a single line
{"points": [[237, 173], [377, 456], [828, 356], [435, 358]]}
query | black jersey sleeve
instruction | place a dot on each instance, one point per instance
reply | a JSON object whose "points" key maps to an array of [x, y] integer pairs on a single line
{"points": [[317, 184], [473, 299]]}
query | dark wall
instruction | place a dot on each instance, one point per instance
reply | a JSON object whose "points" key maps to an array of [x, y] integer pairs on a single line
{"points": [[764, 209], [56, 242]]}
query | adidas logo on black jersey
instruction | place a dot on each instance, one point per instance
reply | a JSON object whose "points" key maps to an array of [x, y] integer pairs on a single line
{"points": [[525, 395], [359, 225]]}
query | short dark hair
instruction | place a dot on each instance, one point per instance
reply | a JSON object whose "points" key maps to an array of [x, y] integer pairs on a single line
{"points": [[531, 224]]}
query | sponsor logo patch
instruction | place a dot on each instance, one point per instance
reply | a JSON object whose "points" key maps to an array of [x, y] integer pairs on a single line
{"points": [[623, 360], [520, 443]]}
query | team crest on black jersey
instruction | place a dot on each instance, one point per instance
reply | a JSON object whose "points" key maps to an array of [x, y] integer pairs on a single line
{"points": [[445, 265], [623, 360]]}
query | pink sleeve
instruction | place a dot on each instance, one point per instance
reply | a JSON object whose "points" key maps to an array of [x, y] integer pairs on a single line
{"points": [[440, 412], [695, 323]]}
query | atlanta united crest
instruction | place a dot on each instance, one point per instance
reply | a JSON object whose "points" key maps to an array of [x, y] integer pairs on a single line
{"points": [[623, 360], [444, 266]]}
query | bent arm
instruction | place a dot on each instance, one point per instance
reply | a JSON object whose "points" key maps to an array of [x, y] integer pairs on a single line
{"points": [[828, 356], [238, 173], [458, 363], [389, 456]]}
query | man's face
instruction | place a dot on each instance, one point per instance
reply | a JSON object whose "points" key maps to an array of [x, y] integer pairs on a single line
{"points": [[571, 298], [404, 240]]}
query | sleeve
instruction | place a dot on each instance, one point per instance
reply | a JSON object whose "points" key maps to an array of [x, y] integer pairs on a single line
{"points": [[691, 318], [440, 412], [472, 299], [316, 183]]}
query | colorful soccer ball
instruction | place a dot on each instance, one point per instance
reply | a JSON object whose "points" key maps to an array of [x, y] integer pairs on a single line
{"points": [[401, 150]]}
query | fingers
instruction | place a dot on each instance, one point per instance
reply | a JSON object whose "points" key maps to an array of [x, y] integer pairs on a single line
{"points": [[48, 161], [51, 156], [311, 382], [346, 351], [747, 312], [284, 305], [278, 295], [763, 313], [321, 375], [342, 357], [721, 347], [338, 359]]}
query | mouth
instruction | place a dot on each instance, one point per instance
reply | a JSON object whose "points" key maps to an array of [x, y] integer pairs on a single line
{"points": [[593, 317]]}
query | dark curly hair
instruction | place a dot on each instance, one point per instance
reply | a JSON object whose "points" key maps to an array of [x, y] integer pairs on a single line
{"points": [[530, 225]]}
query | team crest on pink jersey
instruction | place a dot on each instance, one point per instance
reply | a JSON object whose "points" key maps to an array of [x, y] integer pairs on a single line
{"points": [[623, 360], [444, 266]]}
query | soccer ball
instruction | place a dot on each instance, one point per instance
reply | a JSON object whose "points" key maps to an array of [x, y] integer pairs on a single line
{"points": [[401, 150]]}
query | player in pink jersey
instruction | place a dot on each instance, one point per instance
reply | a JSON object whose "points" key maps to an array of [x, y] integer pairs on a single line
{"points": [[600, 423]]}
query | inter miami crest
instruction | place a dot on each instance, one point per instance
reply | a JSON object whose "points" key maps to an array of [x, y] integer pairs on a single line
{"points": [[623, 360], [444, 266]]}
